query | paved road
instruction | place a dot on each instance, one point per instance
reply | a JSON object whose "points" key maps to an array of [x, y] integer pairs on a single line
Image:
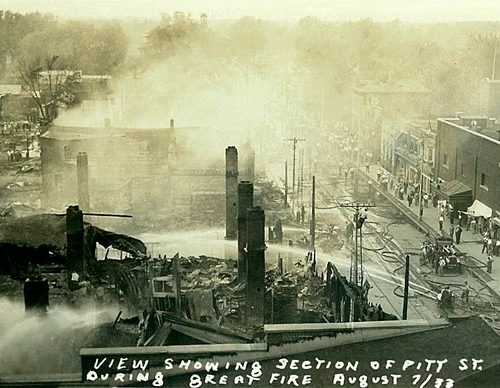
{"points": [[388, 228]]}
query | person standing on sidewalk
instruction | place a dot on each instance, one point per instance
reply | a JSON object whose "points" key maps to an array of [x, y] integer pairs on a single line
{"points": [[442, 265], [441, 221], [485, 243], [458, 233], [410, 198], [435, 200], [480, 224], [465, 293], [496, 249], [436, 264], [426, 199], [473, 224], [489, 264]]}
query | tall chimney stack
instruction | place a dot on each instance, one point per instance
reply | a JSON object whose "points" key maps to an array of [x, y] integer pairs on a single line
{"points": [[256, 247], [74, 240], [231, 192], [171, 123], [247, 168], [82, 179], [250, 165], [245, 201]]}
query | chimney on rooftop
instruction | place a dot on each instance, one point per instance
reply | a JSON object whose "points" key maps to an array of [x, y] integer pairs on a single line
{"points": [[231, 192]]}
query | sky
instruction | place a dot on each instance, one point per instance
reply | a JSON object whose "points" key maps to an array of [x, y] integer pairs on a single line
{"points": [[333, 10]]}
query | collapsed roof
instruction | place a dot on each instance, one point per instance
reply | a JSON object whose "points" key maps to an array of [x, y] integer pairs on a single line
{"points": [[50, 230]]}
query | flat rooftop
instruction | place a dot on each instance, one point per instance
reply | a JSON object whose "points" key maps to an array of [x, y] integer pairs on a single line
{"points": [[74, 132], [491, 132]]}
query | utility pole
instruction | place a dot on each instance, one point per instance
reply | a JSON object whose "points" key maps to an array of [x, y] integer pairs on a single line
{"points": [[302, 178], [421, 207], [313, 214], [407, 284], [356, 176], [494, 61], [356, 272], [294, 140], [286, 185]]}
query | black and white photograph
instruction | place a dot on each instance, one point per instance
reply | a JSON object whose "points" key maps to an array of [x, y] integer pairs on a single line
{"points": [[250, 193]]}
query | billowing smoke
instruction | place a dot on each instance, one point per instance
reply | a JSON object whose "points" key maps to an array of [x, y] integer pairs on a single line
{"points": [[231, 106], [48, 344]]}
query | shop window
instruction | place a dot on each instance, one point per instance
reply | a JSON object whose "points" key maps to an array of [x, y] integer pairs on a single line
{"points": [[484, 181], [445, 160]]}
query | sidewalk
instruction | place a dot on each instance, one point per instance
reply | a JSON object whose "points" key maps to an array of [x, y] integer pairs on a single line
{"points": [[470, 242]]}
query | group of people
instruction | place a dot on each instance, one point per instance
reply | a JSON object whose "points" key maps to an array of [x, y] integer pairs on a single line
{"points": [[383, 177], [13, 127], [490, 246], [441, 257], [14, 156], [455, 232], [477, 225], [411, 192], [446, 298]]}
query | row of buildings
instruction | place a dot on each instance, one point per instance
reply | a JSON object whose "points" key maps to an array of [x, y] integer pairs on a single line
{"points": [[459, 156]]}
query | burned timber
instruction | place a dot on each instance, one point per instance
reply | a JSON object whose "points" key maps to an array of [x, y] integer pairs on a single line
{"points": [[206, 212], [242, 306]]}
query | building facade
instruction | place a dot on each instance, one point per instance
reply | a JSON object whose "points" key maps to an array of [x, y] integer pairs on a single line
{"points": [[373, 105], [407, 148], [119, 162], [468, 152]]}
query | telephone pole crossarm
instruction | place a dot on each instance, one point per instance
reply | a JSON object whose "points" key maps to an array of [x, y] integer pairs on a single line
{"points": [[356, 272]]}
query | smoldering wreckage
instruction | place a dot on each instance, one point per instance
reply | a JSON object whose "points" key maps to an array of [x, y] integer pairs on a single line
{"points": [[205, 306]]}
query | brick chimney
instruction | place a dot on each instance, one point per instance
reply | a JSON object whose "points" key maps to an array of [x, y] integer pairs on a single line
{"points": [[256, 249], [74, 240], [82, 179], [231, 192], [245, 201]]}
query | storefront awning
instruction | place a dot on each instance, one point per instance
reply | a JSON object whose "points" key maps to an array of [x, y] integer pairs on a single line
{"points": [[455, 188], [479, 209]]}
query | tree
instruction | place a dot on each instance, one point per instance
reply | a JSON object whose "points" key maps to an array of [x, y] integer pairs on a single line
{"points": [[92, 48], [48, 87]]}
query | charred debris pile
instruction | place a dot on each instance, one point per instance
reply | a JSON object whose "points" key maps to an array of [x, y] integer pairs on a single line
{"points": [[202, 298]]}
